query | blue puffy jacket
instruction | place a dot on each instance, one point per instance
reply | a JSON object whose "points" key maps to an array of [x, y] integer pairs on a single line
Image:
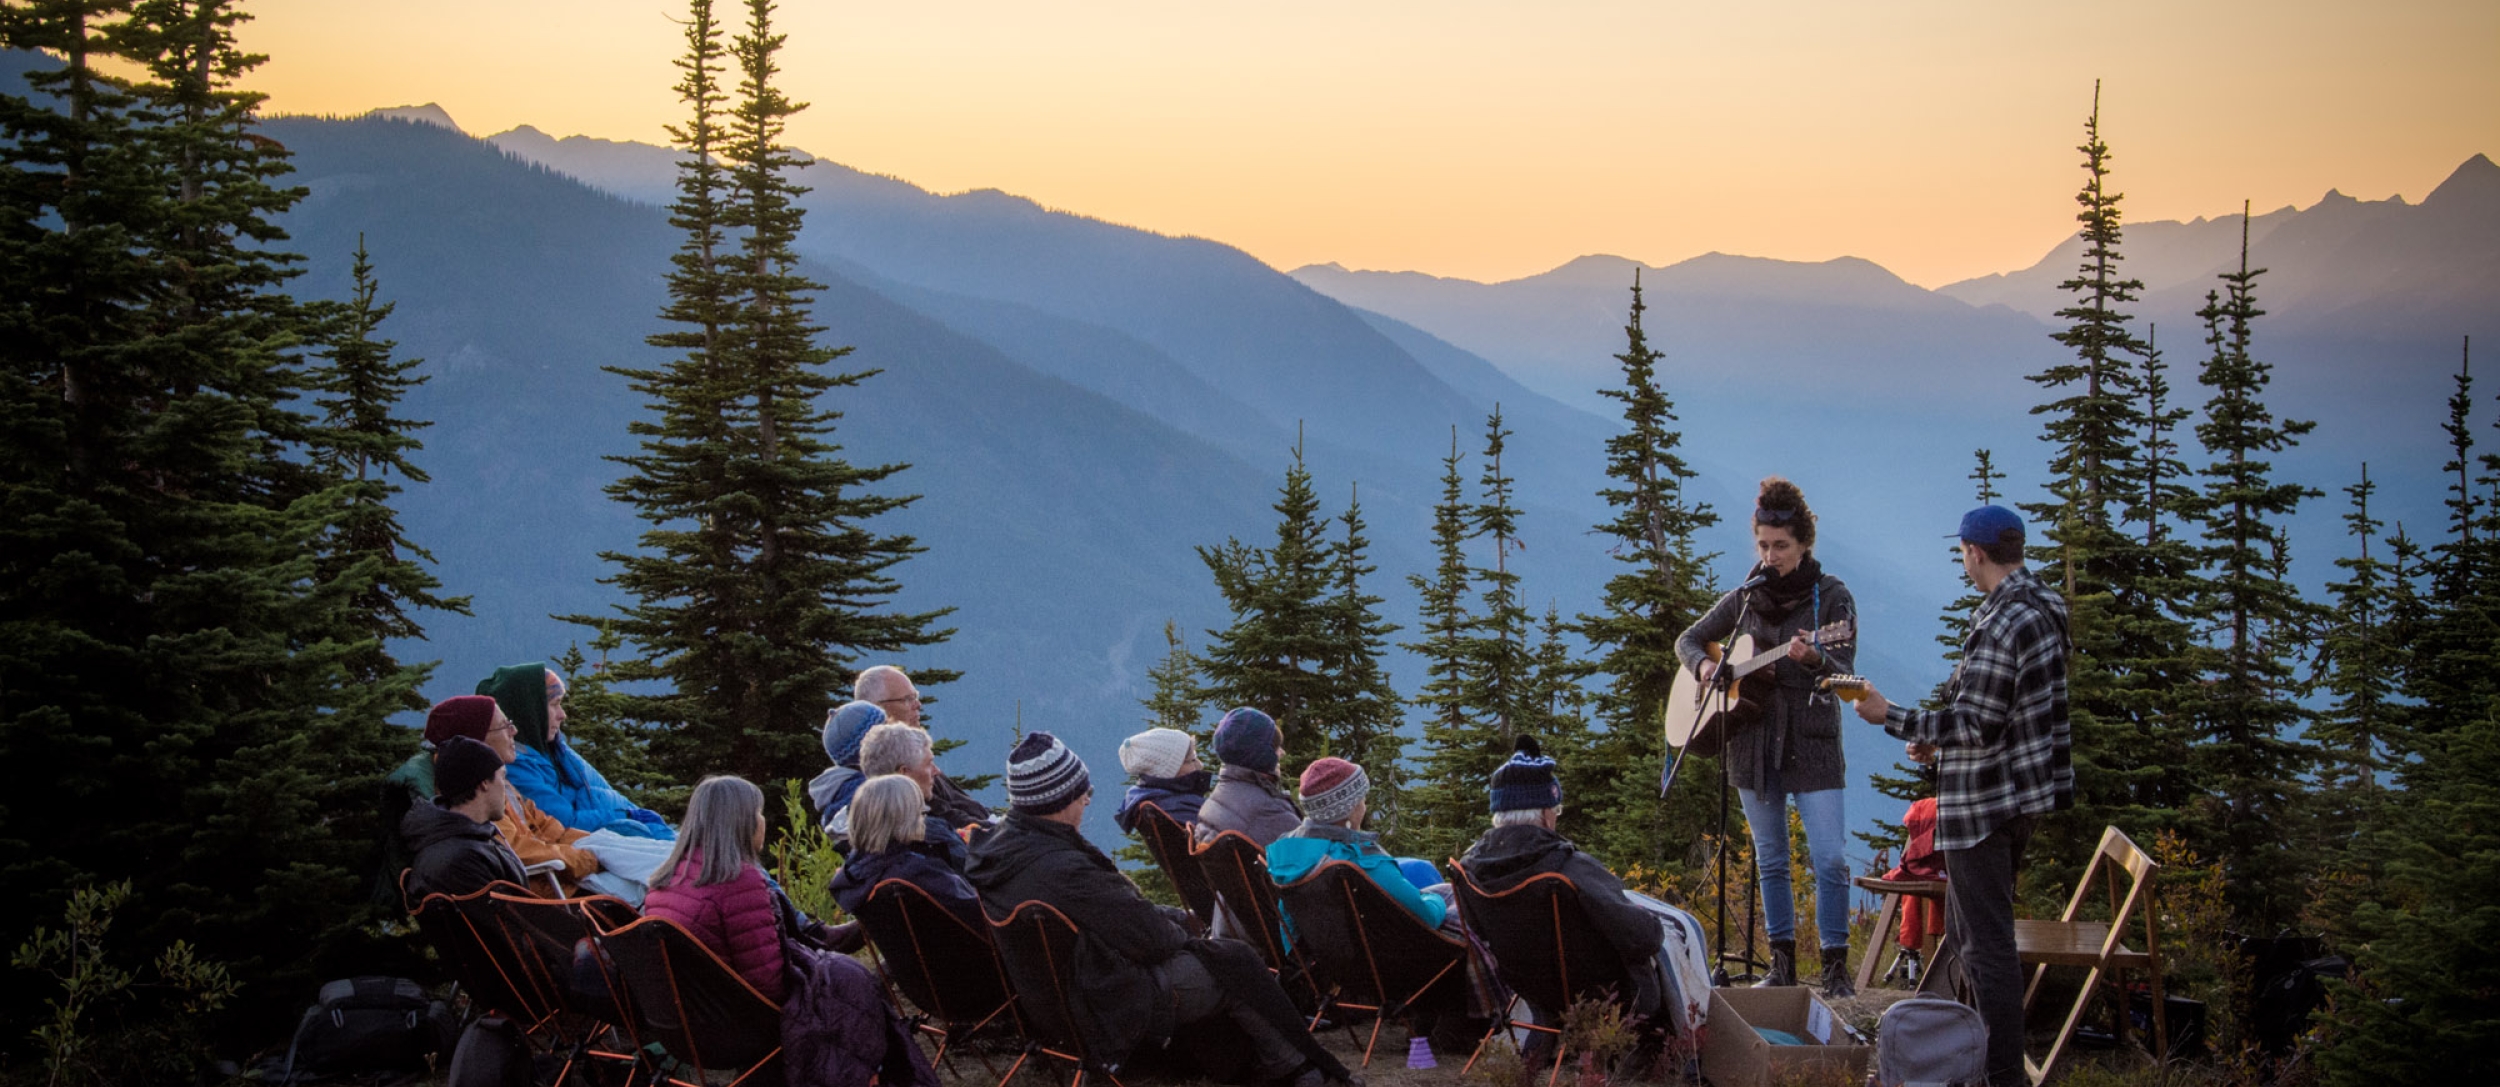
{"points": [[581, 797]]}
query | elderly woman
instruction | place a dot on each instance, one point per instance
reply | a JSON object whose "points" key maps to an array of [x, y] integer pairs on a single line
{"points": [[891, 839]]}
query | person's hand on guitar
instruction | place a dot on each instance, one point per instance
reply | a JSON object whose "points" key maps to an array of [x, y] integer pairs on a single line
{"points": [[1803, 651], [1872, 707]]}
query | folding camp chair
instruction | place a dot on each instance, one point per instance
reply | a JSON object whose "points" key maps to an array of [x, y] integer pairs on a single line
{"points": [[1386, 958], [465, 932], [684, 998], [1038, 946], [2099, 946], [947, 968], [1168, 841], [1546, 949], [545, 934], [1236, 871]]}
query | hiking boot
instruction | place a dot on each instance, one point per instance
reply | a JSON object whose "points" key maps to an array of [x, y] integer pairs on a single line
{"points": [[1836, 983], [1783, 969]]}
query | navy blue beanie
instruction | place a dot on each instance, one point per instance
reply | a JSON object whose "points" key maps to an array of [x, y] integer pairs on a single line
{"points": [[1527, 781], [1247, 738]]}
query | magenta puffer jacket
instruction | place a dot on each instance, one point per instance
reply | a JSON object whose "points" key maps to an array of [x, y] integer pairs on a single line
{"points": [[735, 919]]}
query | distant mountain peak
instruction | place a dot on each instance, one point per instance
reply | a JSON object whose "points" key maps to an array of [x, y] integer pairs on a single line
{"points": [[427, 114], [2475, 182]]}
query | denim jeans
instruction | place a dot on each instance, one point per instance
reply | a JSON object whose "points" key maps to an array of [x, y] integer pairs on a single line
{"points": [[1766, 816]]}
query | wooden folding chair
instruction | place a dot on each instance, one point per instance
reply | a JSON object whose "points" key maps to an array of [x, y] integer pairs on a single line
{"points": [[1891, 893], [2098, 946], [683, 997], [1236, 871], [948, 969], [1566, 960], [1038, 945], [1387, 958], [1168, 841]]}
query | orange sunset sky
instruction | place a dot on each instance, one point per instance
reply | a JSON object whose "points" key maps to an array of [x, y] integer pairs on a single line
{"points": [[1496, 140]]}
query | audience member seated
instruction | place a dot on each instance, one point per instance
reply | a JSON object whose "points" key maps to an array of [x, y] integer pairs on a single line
{"points": [[1527, 803], [890, 840], [452, 837], [1164, 763], [905, 750], [845, 726], [1248, 796], [713, 884], [595, 861], [550, 772], [1141, 980], [1336, 794], [893, 692]]}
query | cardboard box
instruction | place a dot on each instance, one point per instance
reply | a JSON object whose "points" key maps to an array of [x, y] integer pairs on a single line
{"points": [[1735, 1054]]}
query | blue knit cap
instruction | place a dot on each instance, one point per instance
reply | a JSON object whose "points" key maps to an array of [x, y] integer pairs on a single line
{"points": [[1527, 781], [846, 726], [1247, 738]]}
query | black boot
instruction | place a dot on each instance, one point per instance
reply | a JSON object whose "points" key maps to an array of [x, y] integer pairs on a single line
{"points": [[1783, 966], [1836, 982]]}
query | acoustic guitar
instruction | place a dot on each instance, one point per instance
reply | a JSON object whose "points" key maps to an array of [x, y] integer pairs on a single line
{"points": [[1696, 718]]}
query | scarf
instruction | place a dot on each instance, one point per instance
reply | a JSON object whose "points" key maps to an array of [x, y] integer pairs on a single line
{"points": [[1781, 595]]}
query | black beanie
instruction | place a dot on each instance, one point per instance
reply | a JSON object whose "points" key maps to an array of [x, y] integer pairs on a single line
{"points": [[461, 767]]}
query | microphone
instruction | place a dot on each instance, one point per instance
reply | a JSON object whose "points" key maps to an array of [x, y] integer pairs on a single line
{"points": [[1761, 574]]}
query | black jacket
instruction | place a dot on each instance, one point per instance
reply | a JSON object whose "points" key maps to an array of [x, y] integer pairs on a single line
{"points": [[1120, 1002], [1507, 856], [948, 801], [454, 854]]}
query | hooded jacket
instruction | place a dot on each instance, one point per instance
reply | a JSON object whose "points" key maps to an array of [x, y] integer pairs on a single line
{"points": [[1120, 1001], [831, 791], [454, 854], [1251, 802], [1294, 856], [1506, 856], [549, 772], [1179, 797]]}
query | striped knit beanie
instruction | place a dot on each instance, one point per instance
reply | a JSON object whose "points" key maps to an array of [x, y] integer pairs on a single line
{"points": [[1331, 787], [1043, 776], [1527, 781]]}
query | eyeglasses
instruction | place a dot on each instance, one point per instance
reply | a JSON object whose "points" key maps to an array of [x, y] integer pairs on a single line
{"points": [[912, 698], [504, 727]]}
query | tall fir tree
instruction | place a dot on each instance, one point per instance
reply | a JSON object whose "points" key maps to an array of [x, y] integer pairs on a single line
{"points": [[1662, 589], [2450, 664], [1172, 701], [2357, 664], [176, 656], [1500, 642], [1270, 657], [1359, 716], [761, 584], [2250, 751], [1441, 805]]}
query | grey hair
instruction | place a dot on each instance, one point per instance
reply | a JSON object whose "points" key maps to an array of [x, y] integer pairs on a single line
{"points": [[890, 747], [878, 677], [886, 812], [1523, 816], [720, 824]]}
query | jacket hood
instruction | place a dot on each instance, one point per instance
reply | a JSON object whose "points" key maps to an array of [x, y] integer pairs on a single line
{"points": [[1022, 841], [826, 789], [1506, 855], [521, 689], [429, 823]]}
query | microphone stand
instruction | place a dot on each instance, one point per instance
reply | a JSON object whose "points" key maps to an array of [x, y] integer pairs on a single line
{"points": [[1721, 686]]}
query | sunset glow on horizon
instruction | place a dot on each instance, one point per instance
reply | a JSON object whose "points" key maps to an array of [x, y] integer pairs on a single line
{"points": [[1492, 140]]}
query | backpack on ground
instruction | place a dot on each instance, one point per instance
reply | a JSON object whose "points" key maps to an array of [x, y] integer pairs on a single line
{"points": [[1927, 1042], [368, 1024]]}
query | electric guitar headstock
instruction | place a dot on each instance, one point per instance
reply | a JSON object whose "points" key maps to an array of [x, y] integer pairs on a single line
{"points": [[1847, 688]]}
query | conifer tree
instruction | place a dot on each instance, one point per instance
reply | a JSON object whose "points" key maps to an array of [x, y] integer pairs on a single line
{"points": [[2450, 664], [1661, 590], [2356, 663], [1441, 803], [2249, 753], [1270, 657], [175, 656], [1173, 703], [1359, 713], [761, 582], [1500, 642], [1556, 711]]}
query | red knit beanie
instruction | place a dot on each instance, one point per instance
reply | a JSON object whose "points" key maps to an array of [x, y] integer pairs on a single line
{"points": [[468, 715]]}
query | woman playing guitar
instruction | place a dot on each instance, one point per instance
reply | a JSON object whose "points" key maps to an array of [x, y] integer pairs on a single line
{"points": [[1792, 751]]}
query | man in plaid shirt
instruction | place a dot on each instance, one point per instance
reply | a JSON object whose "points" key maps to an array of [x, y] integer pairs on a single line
{"points": [[2001, 747]]}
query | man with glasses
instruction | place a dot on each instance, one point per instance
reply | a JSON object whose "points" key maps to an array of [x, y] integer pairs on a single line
{"points": [[892, 691]]}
